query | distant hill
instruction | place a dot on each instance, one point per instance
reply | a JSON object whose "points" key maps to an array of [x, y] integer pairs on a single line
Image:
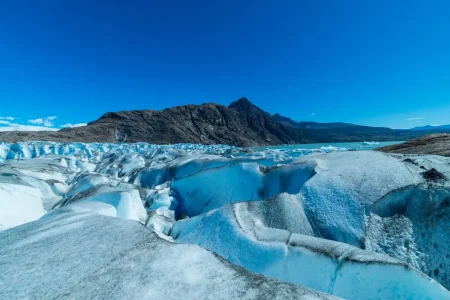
{"points": [[241, 123], [312, 125], [347, 132], [431, 127]]}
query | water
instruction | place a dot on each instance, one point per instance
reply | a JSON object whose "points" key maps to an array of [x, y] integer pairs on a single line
{"points": [[349, 146]]}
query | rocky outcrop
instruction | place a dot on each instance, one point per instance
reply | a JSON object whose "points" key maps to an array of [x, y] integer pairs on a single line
{"points": [[438, 144]]}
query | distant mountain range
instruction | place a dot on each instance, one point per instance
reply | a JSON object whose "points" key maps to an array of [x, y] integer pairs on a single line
{"points": [[312, 125], [241, 124], [432, 127], [347, 132]]}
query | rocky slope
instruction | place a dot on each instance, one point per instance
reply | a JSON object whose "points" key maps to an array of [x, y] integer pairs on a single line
{"points": [[438, 144], [239, 124]]}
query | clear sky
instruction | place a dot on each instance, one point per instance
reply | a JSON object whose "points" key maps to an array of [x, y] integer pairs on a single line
{"points": [[383, 63]]}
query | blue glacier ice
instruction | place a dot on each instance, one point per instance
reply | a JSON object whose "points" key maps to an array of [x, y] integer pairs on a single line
{"points": [[321, 222]]}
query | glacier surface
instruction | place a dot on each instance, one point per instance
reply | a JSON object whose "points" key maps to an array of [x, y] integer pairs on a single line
{"points": [[314, 223], [77, 254]]}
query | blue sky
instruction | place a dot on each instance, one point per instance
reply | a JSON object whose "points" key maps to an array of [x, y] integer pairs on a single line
{"points": [[381, 63]]}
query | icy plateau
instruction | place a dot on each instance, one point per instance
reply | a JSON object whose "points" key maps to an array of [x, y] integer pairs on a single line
{"points": [[141, 221]]}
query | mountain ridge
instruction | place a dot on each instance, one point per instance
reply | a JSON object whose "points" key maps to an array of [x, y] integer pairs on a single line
{"points": [[241, 124], [432, 127]]}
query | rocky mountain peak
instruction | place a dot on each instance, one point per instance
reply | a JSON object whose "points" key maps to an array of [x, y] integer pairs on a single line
{"points": [[242, 105]]}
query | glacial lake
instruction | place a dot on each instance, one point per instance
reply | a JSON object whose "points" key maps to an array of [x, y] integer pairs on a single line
{"points": [[350, 146]]}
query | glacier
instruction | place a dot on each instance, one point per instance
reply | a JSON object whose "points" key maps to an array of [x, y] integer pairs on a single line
{"points": [[77, 254], [286, 222]]}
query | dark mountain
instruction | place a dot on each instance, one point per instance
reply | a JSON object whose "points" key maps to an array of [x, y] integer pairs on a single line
{"points": [[240, 124], [347, 132], [430, 127], [312, 125], [438, 144]]}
